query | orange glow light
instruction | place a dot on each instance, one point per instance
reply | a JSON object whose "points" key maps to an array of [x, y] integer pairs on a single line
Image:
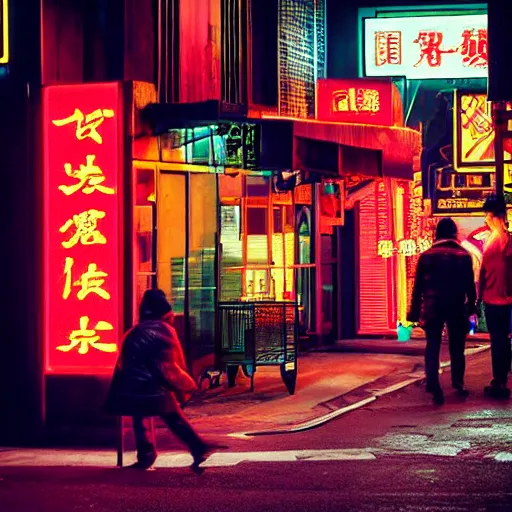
{"points": [[82, 202]]}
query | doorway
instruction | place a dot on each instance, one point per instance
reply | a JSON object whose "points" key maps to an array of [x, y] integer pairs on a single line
{"points": [[347, 276]]}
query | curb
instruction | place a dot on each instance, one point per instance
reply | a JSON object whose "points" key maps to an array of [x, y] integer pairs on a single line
{"points": [[326, 418]]}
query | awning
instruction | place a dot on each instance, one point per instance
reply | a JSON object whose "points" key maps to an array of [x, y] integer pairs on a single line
{"points": [[398, 147]]}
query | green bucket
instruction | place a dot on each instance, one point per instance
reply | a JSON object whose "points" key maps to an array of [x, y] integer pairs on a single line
{"points": [[404, 333]]}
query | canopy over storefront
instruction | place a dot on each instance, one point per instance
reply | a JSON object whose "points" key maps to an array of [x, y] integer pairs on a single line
{"points": [[386, 151]]}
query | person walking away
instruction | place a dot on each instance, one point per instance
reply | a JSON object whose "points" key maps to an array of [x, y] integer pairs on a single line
{"points": [[444, 293], [495, 291], [150, 379]]}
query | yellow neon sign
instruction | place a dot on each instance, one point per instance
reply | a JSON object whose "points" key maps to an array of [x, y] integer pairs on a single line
{"points": [[86, 232], [89, 282], [4, 25], [86, 124], [86, 337], [90, 178]]}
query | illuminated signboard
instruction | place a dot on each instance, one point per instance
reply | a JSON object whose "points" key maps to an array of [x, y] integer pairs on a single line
{"points": [[426, 47], [4, 32], [83, 158], [355, 101], [461, 193], [474, 133]]}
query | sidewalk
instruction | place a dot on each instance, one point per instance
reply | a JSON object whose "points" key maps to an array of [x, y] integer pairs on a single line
{"points": [[329, 379], [330, 383]]}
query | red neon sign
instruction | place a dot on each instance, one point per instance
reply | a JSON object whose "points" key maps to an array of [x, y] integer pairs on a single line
{"points": [[82, 145], [360, 101]]}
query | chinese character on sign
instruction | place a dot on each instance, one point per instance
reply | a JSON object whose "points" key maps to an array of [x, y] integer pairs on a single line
{"points": [[368, 100], [344, 100], [385, 248], [474, 48], [90, 178], [87, 126], [430, 48], [85, 338], [90, 281], [356, 100], [388, 47], [407, 247], [86, 232]]}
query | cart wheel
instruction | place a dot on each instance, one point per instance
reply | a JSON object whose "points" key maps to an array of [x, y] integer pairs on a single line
{"points": [[248, 370], [289, 378], [231, 372]]}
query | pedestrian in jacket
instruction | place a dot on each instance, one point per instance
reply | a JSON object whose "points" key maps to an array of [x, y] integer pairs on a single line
{"points": [[151, 379], [495, 291], [444, 293]]}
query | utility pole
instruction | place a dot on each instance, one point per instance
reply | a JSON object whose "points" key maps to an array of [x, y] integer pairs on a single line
{"points": [[499, 90]]}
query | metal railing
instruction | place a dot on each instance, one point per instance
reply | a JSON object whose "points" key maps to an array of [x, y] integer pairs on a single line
{"points": [[252, 334]]}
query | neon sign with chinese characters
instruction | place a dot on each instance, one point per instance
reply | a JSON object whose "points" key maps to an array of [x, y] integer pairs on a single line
{"points": [[4, 32], [408, 247], [82, 144], [355, 101], [427, 47], [474, 133]]}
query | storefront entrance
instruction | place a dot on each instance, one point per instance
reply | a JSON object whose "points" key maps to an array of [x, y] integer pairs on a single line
{"points": [[186, 255], [175, 239]]}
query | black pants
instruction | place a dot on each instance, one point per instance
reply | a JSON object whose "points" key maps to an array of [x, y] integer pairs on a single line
{"points": [[498, 323], [177, 424], [457, 330]]}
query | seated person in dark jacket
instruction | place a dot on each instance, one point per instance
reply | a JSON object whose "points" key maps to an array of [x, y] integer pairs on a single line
{"points": [[444, 293], [151, 379]]}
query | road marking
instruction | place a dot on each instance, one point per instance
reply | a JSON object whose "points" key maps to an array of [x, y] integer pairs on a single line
{"points": [[420, 444], [54, 458], [416, 445], [503, 457]]}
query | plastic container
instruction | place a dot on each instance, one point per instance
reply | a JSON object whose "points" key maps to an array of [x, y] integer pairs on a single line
{"points": [[404, 333]]}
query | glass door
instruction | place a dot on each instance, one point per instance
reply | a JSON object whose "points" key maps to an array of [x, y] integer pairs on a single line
{"points": [[186, 262], [172, 245], [202, 269]]}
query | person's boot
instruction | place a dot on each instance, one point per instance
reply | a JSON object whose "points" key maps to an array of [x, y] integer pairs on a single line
{"points": [[497, 390], [434, 388], [145, 461], [462, 392], [438, 397], [203, 454]]}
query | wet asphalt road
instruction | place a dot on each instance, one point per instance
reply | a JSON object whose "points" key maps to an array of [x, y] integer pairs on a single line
{"points": [[416, 457]]}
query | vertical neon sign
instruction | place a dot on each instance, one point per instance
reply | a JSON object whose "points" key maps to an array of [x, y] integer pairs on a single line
{"points": [[82, 145], [4, 32]]}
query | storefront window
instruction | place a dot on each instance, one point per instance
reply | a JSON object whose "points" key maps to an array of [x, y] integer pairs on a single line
{"points": [[172, 230], [257, 240], [282, 251], [144, 214], [231, 247], [201, 269], [257, 281]]}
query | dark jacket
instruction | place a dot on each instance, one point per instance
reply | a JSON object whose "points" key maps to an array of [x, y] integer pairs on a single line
{"points": [[150, 378], [444, 286]]}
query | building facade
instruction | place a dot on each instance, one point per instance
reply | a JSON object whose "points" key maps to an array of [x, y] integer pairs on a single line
{"points": [[226, 167]]}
